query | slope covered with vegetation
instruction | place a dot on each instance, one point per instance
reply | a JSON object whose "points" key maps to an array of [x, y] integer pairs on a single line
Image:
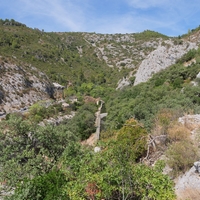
{"points": [[172, 88], [48, 161], [56, 54], [76, 57]]}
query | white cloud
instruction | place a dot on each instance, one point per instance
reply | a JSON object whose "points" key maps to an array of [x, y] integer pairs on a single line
{"points": [[116, 16], [164, 14], [69, 14]]}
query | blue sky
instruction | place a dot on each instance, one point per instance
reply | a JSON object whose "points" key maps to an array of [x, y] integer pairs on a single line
{"points": [[170, 17]]}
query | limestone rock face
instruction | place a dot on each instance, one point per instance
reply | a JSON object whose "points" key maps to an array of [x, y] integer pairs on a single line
{"points": [[21, 86], [165, 55], [187, 186], [197, 167], [120, 50], [122, 83]]}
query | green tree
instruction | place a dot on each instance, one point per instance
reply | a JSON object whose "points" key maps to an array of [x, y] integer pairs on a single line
{"points": [[45, 187], [28, 150], [181, 156], [131, 142], [83, 123], [103, 175], [37, 112], [151, 183]]}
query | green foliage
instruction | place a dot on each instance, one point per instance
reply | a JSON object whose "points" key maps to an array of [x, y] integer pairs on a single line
{"points": [[159, 81], [181, 156], [178, 41], [131, 142], [82, 173], [150, 183], [92, 176], [37, 111], [46, 187], [15, 44], [187, 57], [28, 150], [178, 82], [83, 123], [86, 88], [132, 80], [11, 22], [147, 35], [55, 54], [40, 111], [169, 89]]}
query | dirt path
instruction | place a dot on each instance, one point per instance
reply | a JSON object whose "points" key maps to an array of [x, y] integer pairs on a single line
{"points": [[91, 141]]}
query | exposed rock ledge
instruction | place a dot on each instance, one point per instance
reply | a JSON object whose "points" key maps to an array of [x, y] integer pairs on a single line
{"points": [[21, 86], [188, 186], [164, 56]]}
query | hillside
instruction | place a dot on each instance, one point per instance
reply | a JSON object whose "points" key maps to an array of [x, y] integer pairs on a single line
{"points": [[140, 87], [21, 86], [78, 57], [75, 60]]}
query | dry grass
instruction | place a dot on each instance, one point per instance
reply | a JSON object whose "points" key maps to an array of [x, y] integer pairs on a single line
{"points": [[178, 132]]}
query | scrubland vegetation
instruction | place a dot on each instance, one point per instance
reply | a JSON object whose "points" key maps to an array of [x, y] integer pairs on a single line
{"points": [[49, 162]]}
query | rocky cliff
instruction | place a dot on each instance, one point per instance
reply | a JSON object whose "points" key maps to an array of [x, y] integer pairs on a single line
{"points": [[21, 86], [122, 50], [165, 55]]}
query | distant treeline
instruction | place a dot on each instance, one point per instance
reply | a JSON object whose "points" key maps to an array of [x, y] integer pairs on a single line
{"points": [[10, 22]]}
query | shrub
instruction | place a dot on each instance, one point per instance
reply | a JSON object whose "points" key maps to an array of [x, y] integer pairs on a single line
{"points": [[163, 121], [177, 82], [159, 82], [187, 57], [37, 112], [131, 141], [48, 186], [83, 123], [181, 156], [178, 132], [150, 183]]}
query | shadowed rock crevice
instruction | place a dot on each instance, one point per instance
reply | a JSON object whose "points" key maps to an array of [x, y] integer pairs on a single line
{"points": [[1, 96]]}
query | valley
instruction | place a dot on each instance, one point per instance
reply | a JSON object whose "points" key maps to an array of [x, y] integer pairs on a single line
{"points": [[64, 93]]}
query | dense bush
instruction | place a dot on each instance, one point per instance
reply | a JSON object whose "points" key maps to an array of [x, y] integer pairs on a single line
{"points": [[79, 173], [46, 187], [181, 156], [131, 142], [28, 150], [92, 175], [40, 111], [170, 88], [83, 123], [188, 56]]}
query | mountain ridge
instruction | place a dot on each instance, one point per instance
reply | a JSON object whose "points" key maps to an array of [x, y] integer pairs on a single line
{"points": [[147, 82], [98, 60]]}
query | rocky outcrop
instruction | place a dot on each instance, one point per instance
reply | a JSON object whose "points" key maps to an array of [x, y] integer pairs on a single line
{"points": [[123, 83], [58, 120], [188, 185], [120, 50], [197, 167], [21, 86], [58, 91], [143, 57], [165, 55]]}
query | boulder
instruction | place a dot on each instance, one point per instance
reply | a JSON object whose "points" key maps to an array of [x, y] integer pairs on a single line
{"points": [[197, 167]]}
